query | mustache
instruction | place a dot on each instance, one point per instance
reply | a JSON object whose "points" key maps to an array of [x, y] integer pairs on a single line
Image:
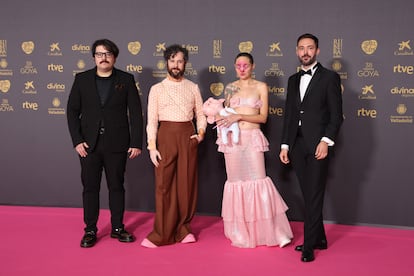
{"points": [[103, 61]]}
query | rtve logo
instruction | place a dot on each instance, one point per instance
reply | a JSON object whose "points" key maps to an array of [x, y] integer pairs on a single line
{"points": [[362, 112], [29, 105], [217, 69], [406, 69], [55, 67], [134, 68]]}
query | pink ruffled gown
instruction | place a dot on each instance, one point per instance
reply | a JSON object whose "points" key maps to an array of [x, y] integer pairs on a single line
{"points": [[253, 211]]}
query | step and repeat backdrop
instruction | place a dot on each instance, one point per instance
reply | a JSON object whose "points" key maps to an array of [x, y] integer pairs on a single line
{"points": [[43, 44]]}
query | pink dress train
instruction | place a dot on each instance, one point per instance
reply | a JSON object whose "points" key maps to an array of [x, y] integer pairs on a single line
{"points": [[253, 211]]}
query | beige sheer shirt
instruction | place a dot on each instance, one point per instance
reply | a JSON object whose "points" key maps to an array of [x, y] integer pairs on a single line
{"points": [[175, 102]]}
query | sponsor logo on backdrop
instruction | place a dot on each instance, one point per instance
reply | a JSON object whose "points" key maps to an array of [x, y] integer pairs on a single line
{"points": [[216, 88], [367, 93], [80, 67], [369, 113], [3, 48], [5, 106], [192, 49], [134, 47], [217, 48], [246, 46], [368, 71], [337, 48], [30, 105], [189, 70], [28, 47], [274, 50], [369, 46], [274, 71], [277, 91], [3, 68], [134, 68], [404, 49], [401, 117], [29, 88], [220, 69], [161, 71], [28, 68], [54, 50], [403, 69], [55, 67], [56, 109], [402, 91], [276, 111], [83, 49], [337, 67], [58, 87], [5, 86], [159, 50]]}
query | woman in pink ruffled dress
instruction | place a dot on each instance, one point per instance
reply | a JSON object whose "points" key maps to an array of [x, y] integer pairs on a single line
{"points": [[253, 211]]}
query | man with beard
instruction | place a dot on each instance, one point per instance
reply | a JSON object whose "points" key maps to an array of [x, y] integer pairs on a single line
{"points": [[172, 144], [105, 122], [313, 116]]}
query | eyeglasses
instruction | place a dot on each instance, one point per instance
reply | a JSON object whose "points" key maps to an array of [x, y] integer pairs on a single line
{"points": [[106, 54]]}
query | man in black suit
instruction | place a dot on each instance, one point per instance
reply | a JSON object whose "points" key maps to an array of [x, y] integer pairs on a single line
{"points": [[105, 123], [313, 116]]}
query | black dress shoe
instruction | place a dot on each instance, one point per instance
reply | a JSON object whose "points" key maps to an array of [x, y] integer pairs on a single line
{"points": [[321, 246], [122, 235], [89, 239], [307, 256]]}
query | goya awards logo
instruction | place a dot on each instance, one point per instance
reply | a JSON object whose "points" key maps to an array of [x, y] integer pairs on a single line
{"points": [[54, 50], [368, 71], [404, 49], [274, 71], [159, 50], [216, 88], [217, 48], [189, 70], [56, 109], [274, 50], [5, 106], [402, 116], [28, 47], [28, 68], [134, 47], [369, 46], [246, 46], [367, 93], [5, 86]]}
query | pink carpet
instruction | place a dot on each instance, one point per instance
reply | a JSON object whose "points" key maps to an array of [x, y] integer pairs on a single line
{"points": [[45, 241]]}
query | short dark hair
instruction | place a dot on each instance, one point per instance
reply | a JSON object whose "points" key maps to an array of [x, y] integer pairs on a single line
{"points": [[311, 36], [245, 54], [109, 45], [172, 50]]}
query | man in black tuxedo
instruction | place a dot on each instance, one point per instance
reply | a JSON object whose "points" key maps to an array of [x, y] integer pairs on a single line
{"points": [[313, 116], [105, 123]]}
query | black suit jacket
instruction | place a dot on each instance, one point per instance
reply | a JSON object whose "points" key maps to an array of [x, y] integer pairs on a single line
{"points": [[121, 114], [320, 112]]}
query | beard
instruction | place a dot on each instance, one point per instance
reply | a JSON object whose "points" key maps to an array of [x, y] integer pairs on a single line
{"points": [[309, 62], [176, 73]]}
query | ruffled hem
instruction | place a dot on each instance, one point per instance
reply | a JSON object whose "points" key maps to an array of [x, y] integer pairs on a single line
{"points": [[253, 139], [254, 214]]}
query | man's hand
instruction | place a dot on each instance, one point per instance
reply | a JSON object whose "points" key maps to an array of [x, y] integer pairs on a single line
{"points": [[284, 157], [321, 150], [81, 149], [133, 152], [155, 156]]}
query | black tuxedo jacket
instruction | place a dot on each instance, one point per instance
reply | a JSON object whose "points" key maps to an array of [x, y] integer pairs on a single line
{"points": [[121, 114], [320, 111]]}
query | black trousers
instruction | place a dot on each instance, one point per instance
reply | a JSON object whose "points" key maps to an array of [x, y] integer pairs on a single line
{"points": [[312, 176], [92, 166]]}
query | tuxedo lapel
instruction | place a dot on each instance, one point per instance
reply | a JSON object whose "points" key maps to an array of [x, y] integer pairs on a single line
{"points": [[313, 82]]}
